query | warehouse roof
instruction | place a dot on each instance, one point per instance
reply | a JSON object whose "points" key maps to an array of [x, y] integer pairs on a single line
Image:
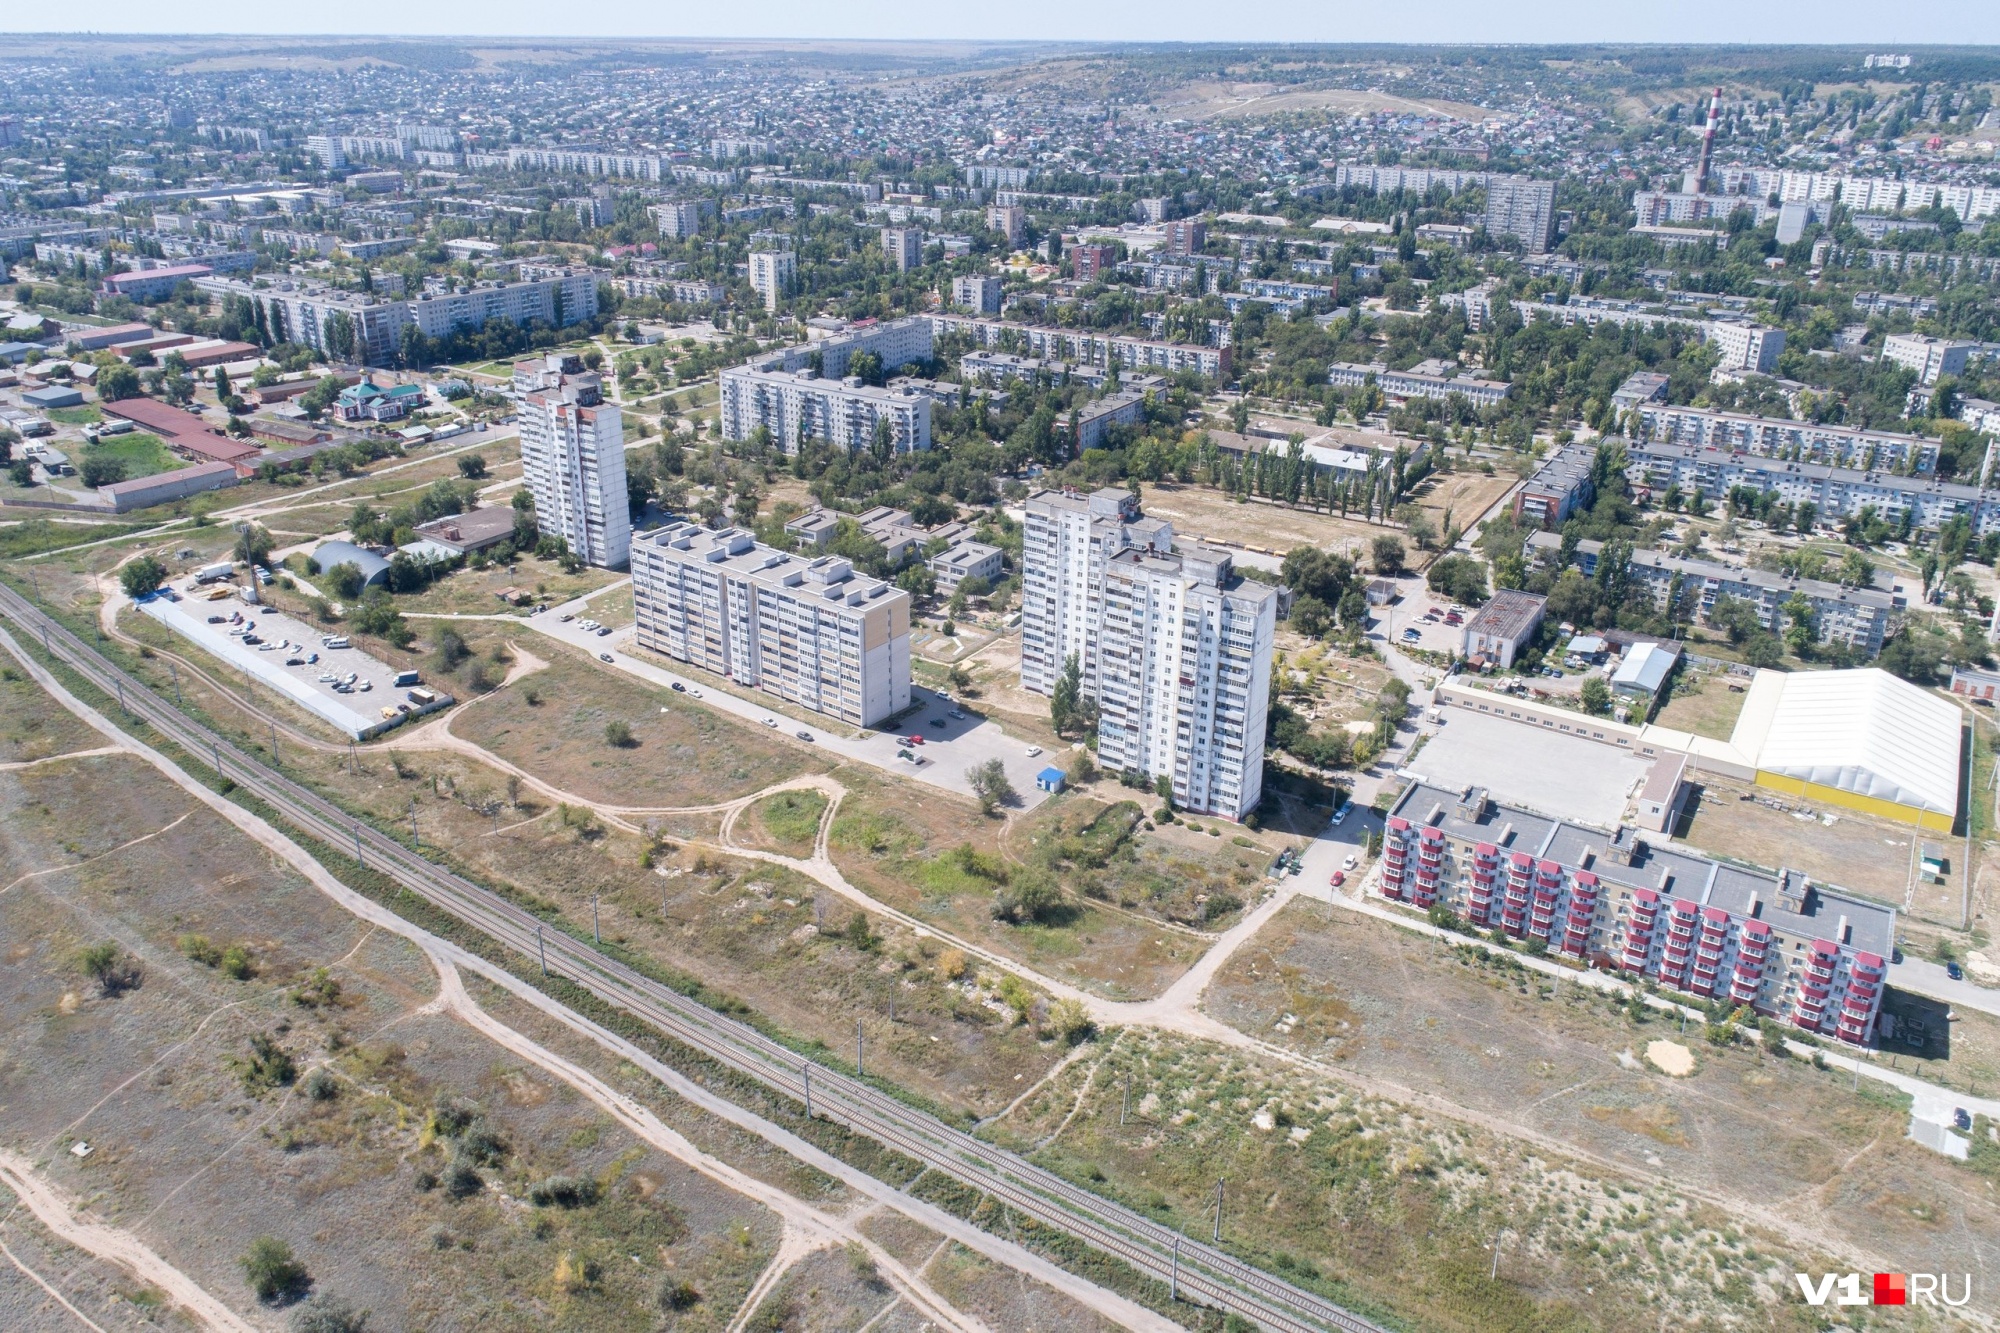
{"points": [[1861, 731]]}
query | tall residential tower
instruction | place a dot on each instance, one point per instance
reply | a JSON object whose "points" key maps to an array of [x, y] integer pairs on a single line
{"points": [[573, 459]]}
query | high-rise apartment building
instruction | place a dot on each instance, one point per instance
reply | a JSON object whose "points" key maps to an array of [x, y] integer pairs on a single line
{"points": [[977, 293], [1753, 347], [904, 246], [573, 459], [1184, 676], [1522, 208], [1930, 357], [773, 274], [1067, 543], [807, 630]]}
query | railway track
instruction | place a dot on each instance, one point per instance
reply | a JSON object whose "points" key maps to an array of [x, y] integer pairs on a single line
{"points": [[1196, 1271]]}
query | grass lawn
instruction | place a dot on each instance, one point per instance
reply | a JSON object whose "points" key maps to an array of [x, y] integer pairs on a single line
{"points": [[1711, 709], [76, 416], [142, 454]]}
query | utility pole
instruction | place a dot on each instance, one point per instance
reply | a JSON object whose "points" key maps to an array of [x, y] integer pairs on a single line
{"points": [[542, 949], [276, 758], [1174, 1286], [357, 844], [218, 757], [1494, 1275], [175, 672], [858, 1071], [595, 933], [1125, 1101], [416, 840], [1218, 1211], [121, 698], [808, 1070]]}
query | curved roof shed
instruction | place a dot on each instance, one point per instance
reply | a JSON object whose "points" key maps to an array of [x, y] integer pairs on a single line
{"points": [[374, 569]]}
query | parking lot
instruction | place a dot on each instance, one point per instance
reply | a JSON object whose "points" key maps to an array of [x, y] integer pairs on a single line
{"points": [[291, 658], [1432, 635], [1544, 770]]}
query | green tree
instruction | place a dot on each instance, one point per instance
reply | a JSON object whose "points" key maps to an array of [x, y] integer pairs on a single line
{"points": [[1596, 696], [142, 577], [1063, 700], [274, 1272], [98, 470], [618, 734], [472, 466], [253, 544], [990, 785], [116, 382], [1386, 555]]}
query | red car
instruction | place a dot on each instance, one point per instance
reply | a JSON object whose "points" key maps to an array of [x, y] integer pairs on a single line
{"points": [[1339, 878], [913, 740]]}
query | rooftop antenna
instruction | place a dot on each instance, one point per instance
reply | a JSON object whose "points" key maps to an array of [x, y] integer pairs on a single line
{"points": [[1708, 142]]}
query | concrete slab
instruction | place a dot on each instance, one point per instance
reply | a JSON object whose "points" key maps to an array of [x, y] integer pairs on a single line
{"points": [[1546, 771]]}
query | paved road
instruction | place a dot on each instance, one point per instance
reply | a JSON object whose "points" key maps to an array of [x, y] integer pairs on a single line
{"points": [[951, 745], [1921, 977]]}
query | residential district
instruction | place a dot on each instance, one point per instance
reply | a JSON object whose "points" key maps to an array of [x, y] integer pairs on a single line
{"points": [[794, 687]]}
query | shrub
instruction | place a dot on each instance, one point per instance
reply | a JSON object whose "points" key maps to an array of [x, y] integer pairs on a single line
{"points": [[952, 964], [269, 1066], [1029, 898], [618, 734], [858, 934], [198, 949], [114, 971], [676, 1295], [321, 1086], [1070, 1020], [273, 1272], [563, 1192], [317, 991], [237, 963], [462, 1182], [1219, 905]]}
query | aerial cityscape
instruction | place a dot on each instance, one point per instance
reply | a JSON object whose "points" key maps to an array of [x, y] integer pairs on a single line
{"points": [[1023, 685]]}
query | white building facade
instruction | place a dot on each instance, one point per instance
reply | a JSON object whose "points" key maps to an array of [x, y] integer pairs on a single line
{"points": [[1067, 542], [573, 459]]}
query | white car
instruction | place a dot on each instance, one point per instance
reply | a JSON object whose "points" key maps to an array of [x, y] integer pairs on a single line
{"points": [[1034, 750], [1340, 815], [1349, 863], [770, 721]]}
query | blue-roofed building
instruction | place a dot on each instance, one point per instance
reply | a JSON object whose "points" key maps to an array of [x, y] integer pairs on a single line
{"points": [[374, 569], [54, 395], [1050, 779], [14, 353]]}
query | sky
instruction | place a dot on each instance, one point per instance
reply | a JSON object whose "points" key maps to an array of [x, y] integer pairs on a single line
{"points": [[1828, 21]]}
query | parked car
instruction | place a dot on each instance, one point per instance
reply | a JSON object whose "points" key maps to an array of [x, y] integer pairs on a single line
{"points": [[1339, 878], [913, 739], [1034, 750], [680, 687], [957, 712], [1954, 971], [770, 721], [804, 736], [1341, 814], [1960, 1119], [605, 657], [603, 630]]}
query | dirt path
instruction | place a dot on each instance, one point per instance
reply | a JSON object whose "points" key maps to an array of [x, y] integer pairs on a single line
{"points": [[806, 1228], [53, 1209], [1006, 1253]]}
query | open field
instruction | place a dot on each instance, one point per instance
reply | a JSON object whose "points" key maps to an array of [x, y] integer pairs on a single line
{"points": [[786, 822], [1107, 850], [30, 731], [211, 1147], [1710, 710], [897, 850], [682, 752], [1553, 1060], [143, 455], [476, 591], [1206, 513]]}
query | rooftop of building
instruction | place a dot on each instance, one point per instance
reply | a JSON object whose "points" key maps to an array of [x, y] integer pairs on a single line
{"points": [[1707, 456], [1510, 614], [743, 556], [1622, 857]]}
